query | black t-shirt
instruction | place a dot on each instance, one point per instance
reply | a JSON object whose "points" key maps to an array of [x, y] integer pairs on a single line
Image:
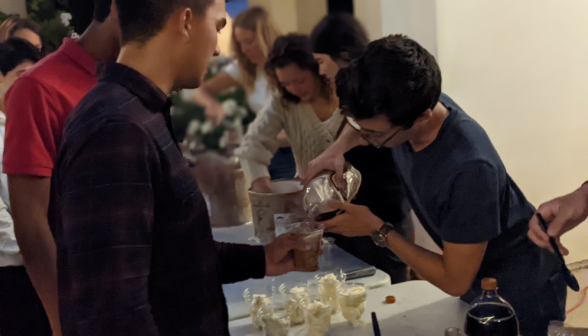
{"points": [[462, 194]]}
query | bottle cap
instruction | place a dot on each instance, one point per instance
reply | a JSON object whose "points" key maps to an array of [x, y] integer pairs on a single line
{"points": [[489, 284]]}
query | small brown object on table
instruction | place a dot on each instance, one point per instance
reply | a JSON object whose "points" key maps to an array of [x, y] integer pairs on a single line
{"points": [[390, 299]]}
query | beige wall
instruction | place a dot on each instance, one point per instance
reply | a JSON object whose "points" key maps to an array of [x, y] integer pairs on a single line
{"points": [[294, 15], [284, 13], [369, 13], [309, 13], [520, 68], [415, 18], [13, 7]]}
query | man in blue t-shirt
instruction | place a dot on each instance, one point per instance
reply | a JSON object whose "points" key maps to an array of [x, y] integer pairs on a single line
{"points": [[455, 181]]}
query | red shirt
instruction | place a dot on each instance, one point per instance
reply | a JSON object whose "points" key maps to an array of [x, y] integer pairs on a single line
{"points": [[38, 104]]}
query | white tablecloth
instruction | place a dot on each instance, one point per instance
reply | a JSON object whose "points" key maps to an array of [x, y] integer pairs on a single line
{"points": [[420, 309], [241, 234]]}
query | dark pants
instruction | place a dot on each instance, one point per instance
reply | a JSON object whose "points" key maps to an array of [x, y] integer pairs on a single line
{"points": [[283, 165], [21, 311]]}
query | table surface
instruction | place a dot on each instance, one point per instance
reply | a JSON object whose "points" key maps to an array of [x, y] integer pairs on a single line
{"points": [[420, 309], [339, 259]]}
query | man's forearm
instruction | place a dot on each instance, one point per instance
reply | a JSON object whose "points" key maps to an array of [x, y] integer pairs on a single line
{"points": [[239, 262], [430, 266], [29, 198], [40, 258], [348, 139], [427, 264]]}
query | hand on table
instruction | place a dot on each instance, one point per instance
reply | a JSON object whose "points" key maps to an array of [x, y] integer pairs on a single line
{"points": [[563, 213], [357, 221], [279, 256]]}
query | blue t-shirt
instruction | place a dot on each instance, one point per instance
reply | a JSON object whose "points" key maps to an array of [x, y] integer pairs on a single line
{"points": [[460, 189], [462, 194]]}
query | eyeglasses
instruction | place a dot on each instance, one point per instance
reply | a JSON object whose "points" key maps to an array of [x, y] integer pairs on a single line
{"points": [[381, 144]]}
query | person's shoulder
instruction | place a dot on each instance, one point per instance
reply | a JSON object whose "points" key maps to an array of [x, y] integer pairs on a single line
{"points": [[51, 73], [107, 103], [50, 67]]}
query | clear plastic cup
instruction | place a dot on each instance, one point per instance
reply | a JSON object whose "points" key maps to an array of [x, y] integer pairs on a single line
{"points": [[274, 320], [295, 292], [352, 299], [326, 258], [317, 315], [312, 234], [257, 297], [328, 284]]}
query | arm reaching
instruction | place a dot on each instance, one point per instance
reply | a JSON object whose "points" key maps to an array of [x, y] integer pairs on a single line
{"points": [[29, 199], [453, 272], [563, 213], [260, 144], [205, 96]]}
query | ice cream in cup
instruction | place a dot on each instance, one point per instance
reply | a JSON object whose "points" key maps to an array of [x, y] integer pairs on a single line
{"points": [[317, 315], [295, 292], [352, 299], [257, 297]]}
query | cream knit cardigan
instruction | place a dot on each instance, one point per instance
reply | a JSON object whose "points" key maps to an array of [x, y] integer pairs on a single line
{"points": [[307, 135]]}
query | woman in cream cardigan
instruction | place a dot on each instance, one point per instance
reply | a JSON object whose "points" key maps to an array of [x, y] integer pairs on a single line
{"points": [[304, 106]]}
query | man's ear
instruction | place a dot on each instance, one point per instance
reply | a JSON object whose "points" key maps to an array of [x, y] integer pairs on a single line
{"points": [[185, 22]]}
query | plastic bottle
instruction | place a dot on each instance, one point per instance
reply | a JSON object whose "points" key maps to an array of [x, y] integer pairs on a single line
{"points": [[491, 315]]}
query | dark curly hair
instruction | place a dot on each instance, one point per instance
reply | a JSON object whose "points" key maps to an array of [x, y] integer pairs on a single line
{"points": [[340, 36], [293, 49], [395, 77]]}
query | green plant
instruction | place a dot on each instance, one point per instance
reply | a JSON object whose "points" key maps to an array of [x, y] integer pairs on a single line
{"points": [[48, 13]]}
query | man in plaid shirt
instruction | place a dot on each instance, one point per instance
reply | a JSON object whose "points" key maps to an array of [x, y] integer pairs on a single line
{"points": [[135, 248]]}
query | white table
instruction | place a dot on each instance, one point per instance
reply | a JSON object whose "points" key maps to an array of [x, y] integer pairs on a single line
{"points": [[420, 309], [234, 292]]}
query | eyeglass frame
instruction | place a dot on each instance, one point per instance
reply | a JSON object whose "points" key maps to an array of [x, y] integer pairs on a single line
{"points": [[356, 127]]}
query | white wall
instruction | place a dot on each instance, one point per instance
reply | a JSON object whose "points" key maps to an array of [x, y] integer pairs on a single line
{"points": [[521, 69], [415, 18]]}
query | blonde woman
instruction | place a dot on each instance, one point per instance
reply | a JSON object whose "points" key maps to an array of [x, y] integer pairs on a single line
{"points": [[22, 28], [254, 34]]}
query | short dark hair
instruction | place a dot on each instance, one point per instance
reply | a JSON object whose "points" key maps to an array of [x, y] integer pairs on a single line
{"points": [[140, 20], [395, 77], [15, 51], [293, 49], [101, 9], [84, 12], [340, 36]]}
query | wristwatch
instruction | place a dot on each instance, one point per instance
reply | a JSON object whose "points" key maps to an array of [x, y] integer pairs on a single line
{"points": [[380, 237]]}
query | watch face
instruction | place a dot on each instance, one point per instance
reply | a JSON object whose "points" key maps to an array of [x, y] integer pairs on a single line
{"points": [[379, 239]]}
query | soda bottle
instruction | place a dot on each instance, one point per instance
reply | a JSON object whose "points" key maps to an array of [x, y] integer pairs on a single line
{"points": [[491, 315]]}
